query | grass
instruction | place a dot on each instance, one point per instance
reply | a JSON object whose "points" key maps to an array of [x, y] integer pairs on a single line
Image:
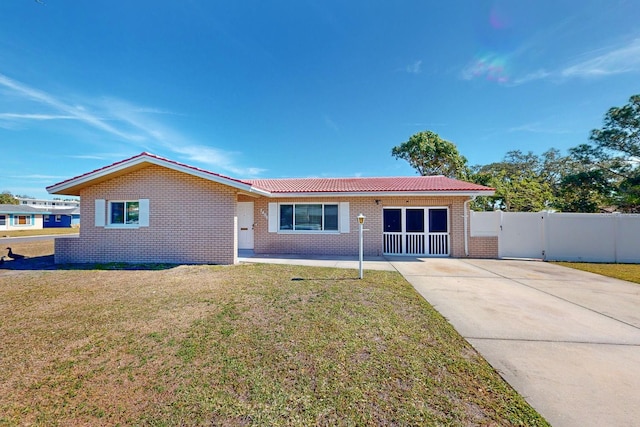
{"points": [[252, 344], [628, 272], [38, 248], [40, 232]]}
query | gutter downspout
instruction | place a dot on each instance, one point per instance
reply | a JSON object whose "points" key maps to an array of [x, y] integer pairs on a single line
{"points": [[466, 225]]}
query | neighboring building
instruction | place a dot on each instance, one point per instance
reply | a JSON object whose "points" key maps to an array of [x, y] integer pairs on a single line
{"points": [[150, 209], [56, 213], [62, 218], [21, 217], [18, 217], [49, 204]]}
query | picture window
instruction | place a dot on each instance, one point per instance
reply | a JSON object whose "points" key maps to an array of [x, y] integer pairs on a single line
{"points": [[309, 217]]}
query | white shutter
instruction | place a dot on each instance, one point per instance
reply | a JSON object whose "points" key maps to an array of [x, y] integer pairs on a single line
{"points": [[343, 211], [143, 218], [100, 213], [273, 217]]}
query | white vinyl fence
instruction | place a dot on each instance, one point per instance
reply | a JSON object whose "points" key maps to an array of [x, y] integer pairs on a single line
{"points": [[562, 236]]}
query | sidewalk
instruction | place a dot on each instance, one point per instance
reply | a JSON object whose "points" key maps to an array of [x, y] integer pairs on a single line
{"points": [[369, 263]]}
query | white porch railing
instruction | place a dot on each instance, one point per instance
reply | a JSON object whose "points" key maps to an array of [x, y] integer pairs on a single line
{"points": [[392, 243], [415, 243], [438, 243]]}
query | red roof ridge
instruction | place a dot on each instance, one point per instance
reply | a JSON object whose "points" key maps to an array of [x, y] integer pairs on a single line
{"points": [[150, 155], [95, 170]]}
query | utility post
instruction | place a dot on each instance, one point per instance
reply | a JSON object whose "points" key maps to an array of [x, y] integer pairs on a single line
{"points": [[361, 222]]}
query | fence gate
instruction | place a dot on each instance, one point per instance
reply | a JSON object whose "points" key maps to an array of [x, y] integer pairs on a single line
{"points": [[521, 235], [416, 231]]}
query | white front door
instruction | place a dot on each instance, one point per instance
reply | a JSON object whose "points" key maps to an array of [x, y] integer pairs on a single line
{"points": [[245, 225]]}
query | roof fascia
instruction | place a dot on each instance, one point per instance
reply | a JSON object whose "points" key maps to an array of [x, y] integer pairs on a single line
{"points": [[2, 212], [123, 166], [386, 194]]}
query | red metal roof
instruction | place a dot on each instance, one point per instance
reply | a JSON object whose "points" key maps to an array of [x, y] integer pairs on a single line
{"points": [[358, 185], [286, 185]]}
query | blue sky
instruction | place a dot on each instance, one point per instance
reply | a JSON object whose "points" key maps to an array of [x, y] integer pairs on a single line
{"points": [[303, 88]]}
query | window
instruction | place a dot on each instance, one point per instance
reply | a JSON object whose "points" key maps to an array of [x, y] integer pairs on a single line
{"points": [[22, 220], [308, 217], [438, 220], [3, 220], [415, 220], [124, 213], [392, 220], [121, 214], [58, 218]]}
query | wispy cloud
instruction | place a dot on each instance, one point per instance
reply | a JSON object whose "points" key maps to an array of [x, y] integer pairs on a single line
{"points": [[133, 124], [330, 123], [605, 62], [75, 112], [538, 127], [415, 68], [159, 134], [489, 66], [38, 177], [614, 60], [536, 75], [18, 116], [89, 156]]}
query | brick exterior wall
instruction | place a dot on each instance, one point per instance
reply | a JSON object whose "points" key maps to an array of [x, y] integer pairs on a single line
{"points": [[347, 243], [191, 220], [483, 247]]}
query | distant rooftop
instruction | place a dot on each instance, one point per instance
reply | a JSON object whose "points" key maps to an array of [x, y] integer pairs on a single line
{"points": [[48, 203]]}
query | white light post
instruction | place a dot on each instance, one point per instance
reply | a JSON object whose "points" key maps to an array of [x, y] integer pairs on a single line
{"points": [[361, 222]]}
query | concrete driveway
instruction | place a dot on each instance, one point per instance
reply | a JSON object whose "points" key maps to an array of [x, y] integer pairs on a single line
{"points": [[568, 341]]}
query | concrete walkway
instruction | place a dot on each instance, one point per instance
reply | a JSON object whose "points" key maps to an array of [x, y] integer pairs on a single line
{"points": [[370, 263], [566, 340]]}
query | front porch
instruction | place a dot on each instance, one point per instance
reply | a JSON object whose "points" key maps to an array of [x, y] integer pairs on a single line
{"points": [[421, 231]]}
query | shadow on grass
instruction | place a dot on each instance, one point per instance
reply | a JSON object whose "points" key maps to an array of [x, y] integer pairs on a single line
{"points": [[47, 263], [327, 279]]}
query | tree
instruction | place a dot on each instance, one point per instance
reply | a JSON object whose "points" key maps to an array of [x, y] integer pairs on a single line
{"points": [[429, 154], [621, 130], [587, 184], [523, 182], [616, 154], [6, 198]]}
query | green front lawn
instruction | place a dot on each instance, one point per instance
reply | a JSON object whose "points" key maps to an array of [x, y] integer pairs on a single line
{"points": [[268, 345], [629, 272]]}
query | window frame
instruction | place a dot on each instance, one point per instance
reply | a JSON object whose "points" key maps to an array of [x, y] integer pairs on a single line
{"points": [[321, 230], [27, 218], [124, 224]]}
